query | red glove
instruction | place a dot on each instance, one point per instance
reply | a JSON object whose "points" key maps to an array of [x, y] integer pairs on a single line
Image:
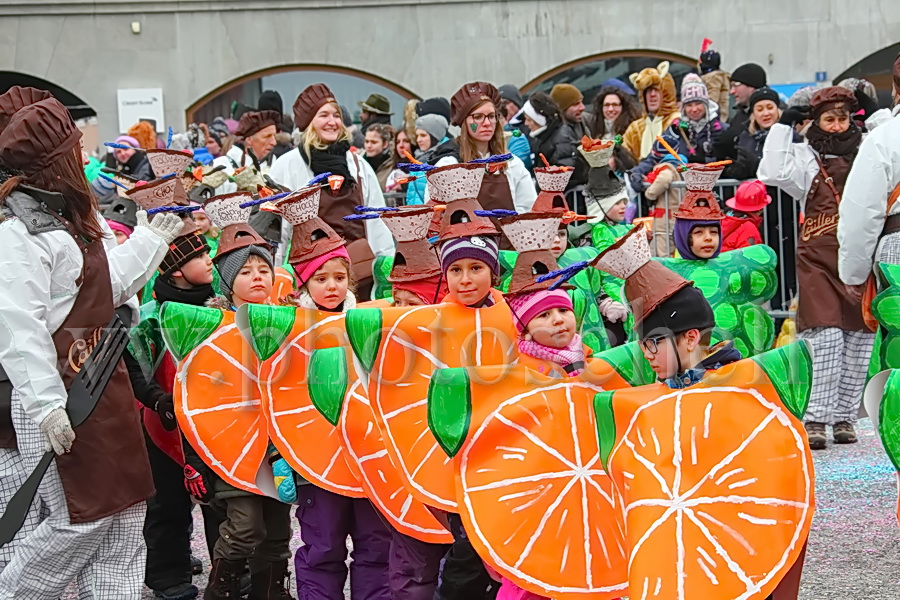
{"points": [[194, 484]]}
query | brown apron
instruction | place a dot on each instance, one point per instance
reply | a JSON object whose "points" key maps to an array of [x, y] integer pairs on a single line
{"points": [[495, 194], [823, 301], [108, 469]]}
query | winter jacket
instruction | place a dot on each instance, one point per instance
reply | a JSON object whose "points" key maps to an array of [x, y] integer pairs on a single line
{"points": [[517, 143], [723, 353], [740, 232], [718, 83], [699, 143], [875, 174], [415, 189], [641, 134], [558, 144]]}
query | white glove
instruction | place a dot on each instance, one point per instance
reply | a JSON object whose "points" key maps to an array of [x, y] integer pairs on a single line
{"points": [[165, 225], [58, 430], [613, 311]]}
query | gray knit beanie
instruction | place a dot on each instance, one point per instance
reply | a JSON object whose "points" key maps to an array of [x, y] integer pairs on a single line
{"points": [[231, 264], [435, 125]]}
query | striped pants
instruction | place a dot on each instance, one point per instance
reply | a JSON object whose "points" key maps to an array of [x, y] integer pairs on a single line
{"points": [[840, 363], [107, 555]]}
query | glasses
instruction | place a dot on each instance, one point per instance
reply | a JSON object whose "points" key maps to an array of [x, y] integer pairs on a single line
{"points": [[612, 104], [481, 118], [651, 344]]}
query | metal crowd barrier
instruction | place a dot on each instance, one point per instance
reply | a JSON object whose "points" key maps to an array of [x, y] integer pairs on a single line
{"points": [[780, 231]]}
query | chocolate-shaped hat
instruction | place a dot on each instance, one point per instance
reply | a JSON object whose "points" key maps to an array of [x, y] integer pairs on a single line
{"points": [[226, 213], [457, 187], [167, 191], [699, 202], [164, 161], [122, 210], [312, 237], [414, 259], [602, 186], [647, 282], [552, 182], [531, 234]]}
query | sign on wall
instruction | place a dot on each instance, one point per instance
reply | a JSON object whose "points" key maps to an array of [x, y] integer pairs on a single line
{"points": [[141, 104]]}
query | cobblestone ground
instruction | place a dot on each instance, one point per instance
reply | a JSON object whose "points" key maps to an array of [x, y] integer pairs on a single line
{"points": [[854, 549]]}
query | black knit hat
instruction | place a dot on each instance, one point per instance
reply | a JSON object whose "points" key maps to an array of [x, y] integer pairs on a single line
{"points": [[764, 93], [750, 74], [270, 100], [434, 106], [684, 310], [710, 61]]}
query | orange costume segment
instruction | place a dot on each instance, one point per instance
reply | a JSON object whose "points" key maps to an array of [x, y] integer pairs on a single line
{"points": [[284, 285], [715, 481], [536, 503], [216, 395], [303, 378], [401, 348], [368, 458]]}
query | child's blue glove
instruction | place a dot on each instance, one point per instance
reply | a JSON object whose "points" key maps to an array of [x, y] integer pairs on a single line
{"points": [[284, 481]]}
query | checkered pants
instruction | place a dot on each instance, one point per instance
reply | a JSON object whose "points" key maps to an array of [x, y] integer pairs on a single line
{"points": [[840, 363], [108, 555], [12, 476]]}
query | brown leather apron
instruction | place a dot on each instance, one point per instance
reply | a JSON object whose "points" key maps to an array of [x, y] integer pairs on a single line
{"points": [[495, 194], [823, 301], [107, 470]]}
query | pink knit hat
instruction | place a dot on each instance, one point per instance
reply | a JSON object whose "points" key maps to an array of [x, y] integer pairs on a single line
{"points": [[525, 307], [116, 226], [306, 270]]}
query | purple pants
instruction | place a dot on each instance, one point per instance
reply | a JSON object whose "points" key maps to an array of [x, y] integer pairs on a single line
{"points": [[326, 519], [414, 567]]}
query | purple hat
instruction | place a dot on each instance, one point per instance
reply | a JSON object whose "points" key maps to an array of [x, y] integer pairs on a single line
{"points": [[476, 247], [683, 228]]}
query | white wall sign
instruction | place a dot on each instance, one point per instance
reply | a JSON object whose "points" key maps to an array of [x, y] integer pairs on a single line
{"points": [[135, 105]]}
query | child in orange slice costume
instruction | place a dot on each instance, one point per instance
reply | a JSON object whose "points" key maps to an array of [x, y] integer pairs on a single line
{"points": [[321, 263], [257, 528]]}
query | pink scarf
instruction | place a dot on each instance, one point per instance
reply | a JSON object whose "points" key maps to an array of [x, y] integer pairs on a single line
{"points": [[564, 357]]}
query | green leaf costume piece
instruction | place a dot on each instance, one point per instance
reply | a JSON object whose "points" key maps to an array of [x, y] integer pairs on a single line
{"points": [[789, 368], [606, 424], [269, 326], [736, 284], [629, 362], [185, 326], [886, 309], [364, 331], [450, 408], [328, 381]]}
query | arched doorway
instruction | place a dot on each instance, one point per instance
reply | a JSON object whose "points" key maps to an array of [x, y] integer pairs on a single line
{"points": [[78, 108], [876, 68], [589, 73], [350, 86]]}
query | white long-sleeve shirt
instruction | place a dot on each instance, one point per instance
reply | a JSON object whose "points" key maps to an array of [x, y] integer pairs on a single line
{"points": [[875, 174], [520, 184], [787, 165], [292, 172], [37, 292]]}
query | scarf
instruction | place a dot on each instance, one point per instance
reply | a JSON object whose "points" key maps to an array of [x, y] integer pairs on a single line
{"points": [[570, 358], [835, 144], [332, 159], [377, 160], [164, 291]]}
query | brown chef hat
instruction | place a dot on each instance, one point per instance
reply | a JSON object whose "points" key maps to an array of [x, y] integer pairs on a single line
{"points": [[254, 121], [309, 102], [16, 98], [468, 97], [830, 98], [37, 135]]}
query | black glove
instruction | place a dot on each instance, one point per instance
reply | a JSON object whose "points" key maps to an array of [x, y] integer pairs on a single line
{"points": [[165, 408], [866, 103], [792, 116]]}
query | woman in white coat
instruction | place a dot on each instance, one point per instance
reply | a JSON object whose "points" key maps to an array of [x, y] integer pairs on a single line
{"points": [[325, 148], [62, 277]]}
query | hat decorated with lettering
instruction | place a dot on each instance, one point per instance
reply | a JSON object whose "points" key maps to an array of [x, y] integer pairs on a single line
{"points": [[699, 203], [604, 189], [414, 259], [457, 186], [161, 193], [313, 241], [164, 161], [226, 213], [531, 235]]}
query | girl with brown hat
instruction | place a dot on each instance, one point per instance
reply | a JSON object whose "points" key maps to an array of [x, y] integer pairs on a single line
{"points": [[63, 277], [829, 314], [474, 109], [325, 148]]}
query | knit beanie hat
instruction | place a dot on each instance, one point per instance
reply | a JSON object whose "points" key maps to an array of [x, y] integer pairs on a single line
{"points": [[434, 106], [511, 93], [750, 74], [127, 139], [306, 269], [231, 264], [710, 61], [525, 307], [693, 90], [434, 124], [270, 100], [476, 247], [764, 93], [565, 95]]}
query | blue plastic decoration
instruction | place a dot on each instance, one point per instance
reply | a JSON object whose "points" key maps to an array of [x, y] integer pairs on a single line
{"points": [[493, 159], [318, 179], [111, 180], [173, 209], [497, 213]]}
